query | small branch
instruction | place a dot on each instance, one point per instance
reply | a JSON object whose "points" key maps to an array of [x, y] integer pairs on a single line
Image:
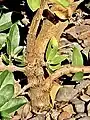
{"points": [[23, 89], [11, 68], [58, 73], [68, 69], [86, 77], [62, 71]]}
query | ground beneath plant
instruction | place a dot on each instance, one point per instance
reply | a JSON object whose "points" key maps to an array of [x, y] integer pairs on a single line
{"points": [[72, 101]]}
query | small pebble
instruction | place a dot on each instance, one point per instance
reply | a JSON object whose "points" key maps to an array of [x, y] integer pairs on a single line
{"points": [[88, 109], [80, 107], [85, 118], [69, 109], [85, 98], [88, 90], [55, 114], [64, 115], [66, 93], [79, 115], [83, 84], [76, 101]]}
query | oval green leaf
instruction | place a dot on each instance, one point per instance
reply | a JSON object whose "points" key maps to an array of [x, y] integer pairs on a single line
{"points": [[58, 59], [33, 4], [3, 37], [77, 59], [51, 49], [5, 116], [55, 67], [78, 76], [13, 104], [5, 58], [5, 21], [20, 59], [2, 100], [13, 39], [7, 91], [6, 78], [18, 49]]}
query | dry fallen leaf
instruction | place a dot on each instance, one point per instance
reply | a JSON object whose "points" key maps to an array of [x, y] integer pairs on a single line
{"points": [[60, 11], [65, 12], [54, 91]]}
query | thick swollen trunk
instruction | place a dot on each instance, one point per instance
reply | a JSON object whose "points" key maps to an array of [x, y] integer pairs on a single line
{"points": [[36, 46]]}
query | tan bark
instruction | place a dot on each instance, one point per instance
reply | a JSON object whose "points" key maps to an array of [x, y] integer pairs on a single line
{"points": [[36, 46]]}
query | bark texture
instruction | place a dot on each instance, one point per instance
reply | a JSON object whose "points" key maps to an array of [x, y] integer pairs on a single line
{"points": [[36, 46]]}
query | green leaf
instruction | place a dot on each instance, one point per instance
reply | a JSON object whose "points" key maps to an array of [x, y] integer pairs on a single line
{"points": [[54, 42], [58, 59], [77, 59], [20, 58], [5, 58], [5, 116], [21, 61], [22, 64], [51, 49], [5, 21], [2, 100], [64, 3], [34, 4], [3, 37], [6, 78], [77, 76], [55, 67], [13, 104], [2, 7], [8, 46], [13, 39], [6, 87], [7, 91], [17, 50], [3, 75], [20, 23]]}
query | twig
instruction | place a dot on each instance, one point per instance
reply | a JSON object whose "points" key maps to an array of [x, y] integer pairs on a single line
{"points": [[23, 89], [58, 73], [68, 69], [64, 46], [62, 71], [86, 77], [11, 68]]}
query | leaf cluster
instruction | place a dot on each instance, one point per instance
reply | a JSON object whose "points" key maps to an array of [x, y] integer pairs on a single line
{"points": [[10, 40], [8, 103], [54, 59], [10, 52]]}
